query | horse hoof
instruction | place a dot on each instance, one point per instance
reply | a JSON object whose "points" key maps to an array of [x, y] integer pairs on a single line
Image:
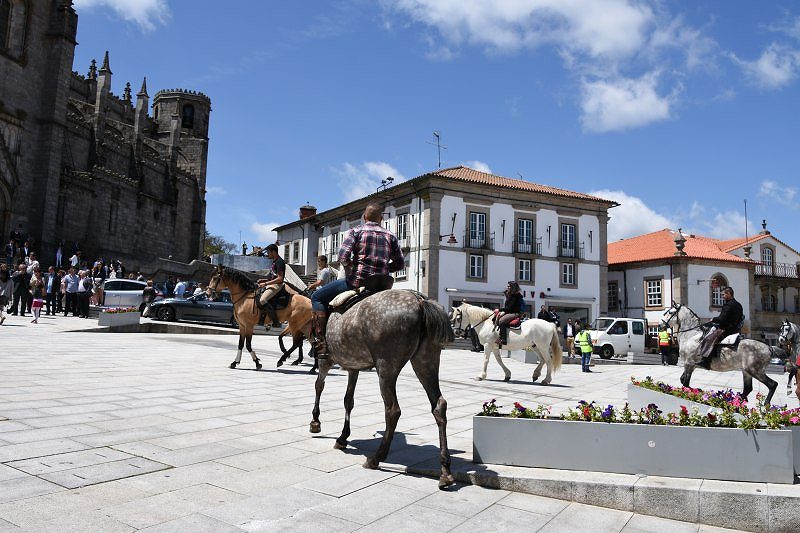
{"points": [[371, 463], [339, 446], [478, 378], [312, 371], [507, 378], [534, 378], [280, 362], [296, 363], [315, 427], [445, 481], [546, 382], [233, 365], [258, 366]]}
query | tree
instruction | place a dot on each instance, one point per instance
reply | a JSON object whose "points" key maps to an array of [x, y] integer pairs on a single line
{"points": [[215, 244]]}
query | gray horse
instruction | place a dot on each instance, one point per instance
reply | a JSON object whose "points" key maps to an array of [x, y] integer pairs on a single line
{"points": [[385, 331], [789, 337], [750, 356]]}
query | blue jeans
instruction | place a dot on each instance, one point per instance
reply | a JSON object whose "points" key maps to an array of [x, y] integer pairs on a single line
{"points": [[321, 298], [586, 358]]}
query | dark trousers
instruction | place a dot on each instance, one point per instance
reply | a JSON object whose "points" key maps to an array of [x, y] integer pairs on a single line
{"points": [[50, 301], [19, 303], [83, 303], [71, 303], [664, 355]]}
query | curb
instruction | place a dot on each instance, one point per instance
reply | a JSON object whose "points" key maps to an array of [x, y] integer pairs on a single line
{"points": [[763, 507]]}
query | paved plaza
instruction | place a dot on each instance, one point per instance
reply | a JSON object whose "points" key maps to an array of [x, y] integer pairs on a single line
{"points": [[128, 431]]}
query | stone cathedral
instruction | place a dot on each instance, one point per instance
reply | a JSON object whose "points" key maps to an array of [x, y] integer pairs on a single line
{"points": [[84, 166]]}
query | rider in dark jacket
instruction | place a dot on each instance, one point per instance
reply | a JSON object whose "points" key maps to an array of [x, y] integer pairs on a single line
{"points": [[513, 307], [727, 323]]}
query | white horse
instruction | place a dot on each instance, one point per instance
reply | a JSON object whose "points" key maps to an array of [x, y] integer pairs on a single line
{"points": [[540, 335], [790, 338]]}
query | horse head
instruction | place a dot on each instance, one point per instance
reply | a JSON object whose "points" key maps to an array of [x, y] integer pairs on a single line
{"points": [[785, 336], [216, 284], [457, 320], [672, 314]]}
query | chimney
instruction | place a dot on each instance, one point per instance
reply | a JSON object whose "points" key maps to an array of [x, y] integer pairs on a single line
{"points": [[680, 243], [307, 211]]}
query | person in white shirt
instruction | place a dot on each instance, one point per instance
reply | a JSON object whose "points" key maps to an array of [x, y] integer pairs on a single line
{"points": [[180, 288], [75, 259], [32, 263], [569, 338], [200, 289]]}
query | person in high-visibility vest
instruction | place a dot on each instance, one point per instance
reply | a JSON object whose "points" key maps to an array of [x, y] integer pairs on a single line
{"points": [[663, 344], [584, 341]]}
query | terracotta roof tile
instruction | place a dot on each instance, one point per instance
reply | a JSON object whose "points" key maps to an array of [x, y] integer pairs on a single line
{"points": [[732, 244], [660, 245], [471, 175]]}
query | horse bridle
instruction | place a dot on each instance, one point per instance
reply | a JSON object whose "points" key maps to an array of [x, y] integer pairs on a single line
{"points": [[215, 280], [678, 307], [461, 321]]}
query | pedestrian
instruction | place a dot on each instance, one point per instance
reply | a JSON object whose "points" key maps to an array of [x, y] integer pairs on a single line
{"points": [[97, 276], [37, 294], [200, 289], [148, 295], [140, 277], [75, 259], [71, 281], [569, 337], [22, 283], [52, 288], [180, 289], [6, 290], [325, 274], [11, 251], [84, 290], [61, 291], [169, 288], [59, 254], [663, 344], [584, 341]]}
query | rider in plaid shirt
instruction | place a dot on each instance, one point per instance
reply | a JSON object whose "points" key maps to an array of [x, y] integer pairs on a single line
{"points": [[367, 250]]}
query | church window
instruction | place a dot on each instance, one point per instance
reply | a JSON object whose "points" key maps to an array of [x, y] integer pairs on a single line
{"points": [[187, 118], [5, 22]]}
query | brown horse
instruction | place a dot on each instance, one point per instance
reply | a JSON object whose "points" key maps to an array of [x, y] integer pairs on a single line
{"points": [[248, 315]]}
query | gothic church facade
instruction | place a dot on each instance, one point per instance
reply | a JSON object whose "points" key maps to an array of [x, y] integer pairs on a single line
{"points": [[80, 164]]}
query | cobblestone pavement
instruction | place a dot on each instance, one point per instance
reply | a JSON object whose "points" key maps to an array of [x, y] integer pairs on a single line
{"points": [[119, 432]]}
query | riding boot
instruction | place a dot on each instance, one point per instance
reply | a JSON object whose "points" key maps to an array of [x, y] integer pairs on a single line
{"points": [[273, 315], [503, 336], [320, 323]]}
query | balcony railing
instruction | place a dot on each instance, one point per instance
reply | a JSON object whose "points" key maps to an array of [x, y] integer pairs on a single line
{"points": [[570, 250], [777, 270], [477, 242], [528, 246]]}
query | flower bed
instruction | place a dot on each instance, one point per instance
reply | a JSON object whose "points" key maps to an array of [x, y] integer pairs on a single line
{"points": [[645, 441], [118, 316]]}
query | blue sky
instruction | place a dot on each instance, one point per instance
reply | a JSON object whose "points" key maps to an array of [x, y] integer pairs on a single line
{"points": [[678, 110]]}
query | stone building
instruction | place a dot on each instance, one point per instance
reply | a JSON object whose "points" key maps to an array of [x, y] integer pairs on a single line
{"points": [[466, 233], [81, 164]]}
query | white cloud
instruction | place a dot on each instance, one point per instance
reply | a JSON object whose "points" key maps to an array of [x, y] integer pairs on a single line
{"points": [[361, 180], [623, 104], [264, 231], [632, 217], [726, 225], [147, 14], [785, 195], [479, 165], [777, 66], [216, 190]]}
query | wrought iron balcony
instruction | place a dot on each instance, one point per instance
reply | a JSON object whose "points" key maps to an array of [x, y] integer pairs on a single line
{"points": [[570, 250], [473, 241], [527, 246], [777, 270]]}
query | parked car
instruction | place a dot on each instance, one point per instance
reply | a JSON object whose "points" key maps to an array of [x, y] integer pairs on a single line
{"points": [[123, 293], [617, 336], [198, 308]]}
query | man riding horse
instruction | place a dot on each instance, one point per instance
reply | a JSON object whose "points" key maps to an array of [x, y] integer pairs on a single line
{"points": [[273, 284], [727, 323], [368, 250]]}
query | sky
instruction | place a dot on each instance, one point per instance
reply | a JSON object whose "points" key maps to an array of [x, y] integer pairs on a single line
{"points": [[680, 111]]}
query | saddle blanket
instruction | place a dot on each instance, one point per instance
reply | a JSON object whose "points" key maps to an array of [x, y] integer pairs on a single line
{"points": [[730, 340], [342, 299]]}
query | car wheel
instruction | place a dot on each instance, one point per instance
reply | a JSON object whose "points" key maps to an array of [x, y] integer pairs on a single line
{"points": [[165, 313], [233, 322], [607, 352]]}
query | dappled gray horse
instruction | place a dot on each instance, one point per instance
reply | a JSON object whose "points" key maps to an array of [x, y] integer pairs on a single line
{"points": [[789, 336], [750, 356], [385, 331]]}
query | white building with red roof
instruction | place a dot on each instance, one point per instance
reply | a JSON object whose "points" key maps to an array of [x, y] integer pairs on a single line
{"points": [[466, 233], [648, 271]]}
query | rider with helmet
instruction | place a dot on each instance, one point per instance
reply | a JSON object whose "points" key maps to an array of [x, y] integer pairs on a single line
{"points": [[367, 250], [727, 323], [513, 307]]}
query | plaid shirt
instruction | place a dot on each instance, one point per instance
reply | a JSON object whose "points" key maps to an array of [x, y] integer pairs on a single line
{"points": [[367, 250]]}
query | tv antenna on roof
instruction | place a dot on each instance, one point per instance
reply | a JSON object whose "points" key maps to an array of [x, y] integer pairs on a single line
{"points": [[438, 136]]}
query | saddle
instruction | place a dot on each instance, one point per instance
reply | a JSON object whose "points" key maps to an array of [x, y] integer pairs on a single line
{"points": [[516, 322], [372, 285], [277, 302]]}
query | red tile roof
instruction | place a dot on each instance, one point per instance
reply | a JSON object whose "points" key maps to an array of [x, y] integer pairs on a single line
{"points": [[732, 244], [471, 175], [660, 245]]}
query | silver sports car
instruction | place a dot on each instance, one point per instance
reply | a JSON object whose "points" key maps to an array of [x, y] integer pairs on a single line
{"points": [[199, 308]]}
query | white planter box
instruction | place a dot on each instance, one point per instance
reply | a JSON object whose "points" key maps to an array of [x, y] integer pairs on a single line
{"points": [[639, 398], [705, 453], [524, 356], [117, 319]]}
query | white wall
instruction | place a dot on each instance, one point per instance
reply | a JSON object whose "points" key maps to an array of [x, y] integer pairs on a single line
{"points": [[635, 298], [700, 292]]}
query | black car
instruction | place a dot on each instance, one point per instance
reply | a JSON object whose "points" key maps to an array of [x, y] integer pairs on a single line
{"points": [[198, 308]]}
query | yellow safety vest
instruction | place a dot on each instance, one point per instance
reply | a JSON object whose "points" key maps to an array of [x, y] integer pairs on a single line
{"points": [[584, 341], [663, 338]]}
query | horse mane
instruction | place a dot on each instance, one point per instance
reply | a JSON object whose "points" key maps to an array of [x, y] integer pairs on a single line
{"points": [[475, 312], [238, 277]]}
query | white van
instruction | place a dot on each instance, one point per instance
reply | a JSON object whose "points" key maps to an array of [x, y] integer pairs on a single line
{"points": [[617, 336]]}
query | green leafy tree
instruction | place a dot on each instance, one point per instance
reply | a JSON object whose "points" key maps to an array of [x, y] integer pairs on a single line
{"points": [[215, 244]]}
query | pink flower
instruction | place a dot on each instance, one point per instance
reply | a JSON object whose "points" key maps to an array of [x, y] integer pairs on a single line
{"points": [[794, 420]]}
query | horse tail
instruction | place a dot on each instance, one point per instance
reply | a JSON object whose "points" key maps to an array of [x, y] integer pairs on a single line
{"points": [[435, 323], [555, 348]]}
